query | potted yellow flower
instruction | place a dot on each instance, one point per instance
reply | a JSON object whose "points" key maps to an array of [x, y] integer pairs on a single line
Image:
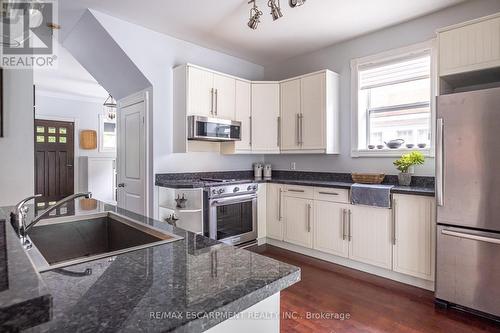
{"points": [[405, 165]]}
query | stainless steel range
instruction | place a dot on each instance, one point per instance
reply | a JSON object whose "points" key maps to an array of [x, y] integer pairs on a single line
{"points": [[231, 212]]}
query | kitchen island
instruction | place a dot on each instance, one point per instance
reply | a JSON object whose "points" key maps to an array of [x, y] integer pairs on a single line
{"points": [[190, 285]]}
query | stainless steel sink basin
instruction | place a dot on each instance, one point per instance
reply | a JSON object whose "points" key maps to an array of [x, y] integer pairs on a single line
{"points": [[61, 242]]}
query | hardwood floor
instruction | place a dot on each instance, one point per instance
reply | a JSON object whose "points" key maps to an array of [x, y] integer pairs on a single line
{"points": [[373, 304]]}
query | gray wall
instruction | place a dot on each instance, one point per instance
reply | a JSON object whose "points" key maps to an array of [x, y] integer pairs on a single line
{"points": [[155, 55], [338, 57], [17, 147]]}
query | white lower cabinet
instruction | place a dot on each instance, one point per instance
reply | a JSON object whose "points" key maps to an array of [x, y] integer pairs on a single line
{"points": [[370, 235], [298, 214], [274, 211], [414, 235], [329, 228]]}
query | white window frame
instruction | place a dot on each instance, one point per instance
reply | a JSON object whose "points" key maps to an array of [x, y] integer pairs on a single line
{"points": [[102, 120], [400, 53]]}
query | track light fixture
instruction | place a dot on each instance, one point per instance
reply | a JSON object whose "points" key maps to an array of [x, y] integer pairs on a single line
{"points": [[255, 15], [297, 3], [275, 9]]}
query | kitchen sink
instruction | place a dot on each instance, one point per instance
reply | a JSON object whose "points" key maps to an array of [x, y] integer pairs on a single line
{"points": [[61, 242]]}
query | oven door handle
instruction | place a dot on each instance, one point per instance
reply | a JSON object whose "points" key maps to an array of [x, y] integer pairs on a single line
{"points": [[232, 200]]}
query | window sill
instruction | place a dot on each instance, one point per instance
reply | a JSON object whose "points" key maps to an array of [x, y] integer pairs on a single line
{"points": [[428, 152]]}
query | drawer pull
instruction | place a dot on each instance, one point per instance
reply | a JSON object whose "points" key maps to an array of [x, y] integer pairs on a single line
{"points": [[294, 190], [328, 193]]}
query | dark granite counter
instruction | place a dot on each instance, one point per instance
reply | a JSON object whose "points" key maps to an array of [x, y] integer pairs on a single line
{"points": [[25, 301], [420, 185], [193, 283]]}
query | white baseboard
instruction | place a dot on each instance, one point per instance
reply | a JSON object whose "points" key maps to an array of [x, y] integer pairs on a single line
{"points": [[414, 281]]}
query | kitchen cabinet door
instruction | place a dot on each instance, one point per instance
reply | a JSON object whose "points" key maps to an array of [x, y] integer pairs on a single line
{"points": [[330, 229], [200, 92], [414, 242], [290, 113], [243, 114], [313, 108], [370, 236], [470, 46], [225, 97], [265, 114], [275, 211], [298, 214]]}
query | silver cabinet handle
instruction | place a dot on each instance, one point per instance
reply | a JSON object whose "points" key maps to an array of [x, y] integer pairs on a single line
{"points": [[297, 128], [393, 221], [349, 227], [251, 130], [279, 203], [439, 161], [328, 193], [343, 224], [471, 236], [212, 101], [308, 217], [295, 190], [301, 118], [278, 141], [216, 101]]}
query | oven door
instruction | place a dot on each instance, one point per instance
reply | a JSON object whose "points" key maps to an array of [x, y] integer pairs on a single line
{"points": [[233, 220]]}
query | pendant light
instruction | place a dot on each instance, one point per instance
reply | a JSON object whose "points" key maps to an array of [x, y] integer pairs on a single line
{"points": [[110, 107], [255, 15], [275, 9]]}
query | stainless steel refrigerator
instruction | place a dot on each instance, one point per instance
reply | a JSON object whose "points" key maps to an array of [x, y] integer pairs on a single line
{"points": [[468, 199]]}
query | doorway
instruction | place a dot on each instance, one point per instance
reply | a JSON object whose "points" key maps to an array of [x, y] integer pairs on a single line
{"points": [[54, 159]]}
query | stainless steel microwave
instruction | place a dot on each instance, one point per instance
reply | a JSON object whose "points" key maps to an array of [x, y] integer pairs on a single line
{"points": [[213, 129]]}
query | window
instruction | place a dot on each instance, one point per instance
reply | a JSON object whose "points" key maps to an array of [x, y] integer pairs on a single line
{"points": [[392, 100], [107, 134]]}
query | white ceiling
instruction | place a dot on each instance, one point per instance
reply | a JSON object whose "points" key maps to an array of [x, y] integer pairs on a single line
{"points": [[221, 24]]}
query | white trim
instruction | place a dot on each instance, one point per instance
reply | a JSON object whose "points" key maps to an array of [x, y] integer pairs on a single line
{"points": [[385, 57], [385, 273], [466, 23], [141, 96], [101, 120], [76, 141]]}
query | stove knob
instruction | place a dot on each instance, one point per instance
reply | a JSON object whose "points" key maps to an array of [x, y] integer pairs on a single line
{"points": [[236, 189], [214, 191], [249, 188], [255, 187], [220, 191]]}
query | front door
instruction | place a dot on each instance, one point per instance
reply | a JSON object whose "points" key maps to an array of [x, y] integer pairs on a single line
{"points": [[54, 159]]}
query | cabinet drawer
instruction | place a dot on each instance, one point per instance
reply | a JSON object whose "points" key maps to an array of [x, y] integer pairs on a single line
{"points": [[331, 194], [306, 192]]}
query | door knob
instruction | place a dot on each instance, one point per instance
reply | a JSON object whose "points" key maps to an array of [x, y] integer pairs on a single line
{"points": [[121, 185]]}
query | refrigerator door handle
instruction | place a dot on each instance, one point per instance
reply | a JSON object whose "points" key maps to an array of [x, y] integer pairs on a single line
{"points": [[439, 162], [471, 236]]}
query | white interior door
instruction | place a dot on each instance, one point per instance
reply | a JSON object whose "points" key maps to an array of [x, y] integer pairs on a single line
{"points": [[131, 155]]}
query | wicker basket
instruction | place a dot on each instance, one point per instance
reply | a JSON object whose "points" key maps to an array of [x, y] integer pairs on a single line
{"points": [[368, 178]]}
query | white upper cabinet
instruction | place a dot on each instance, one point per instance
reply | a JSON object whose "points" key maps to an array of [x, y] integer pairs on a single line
{"points": [[290, 115], [414, 243], [470, 46], [224, 97], [243, 113], [265, 117], [200, 92], [310, 114]]}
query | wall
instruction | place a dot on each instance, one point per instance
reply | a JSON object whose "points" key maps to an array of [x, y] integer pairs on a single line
{"points": [[16, 147], [338, 57], [155, 54]]}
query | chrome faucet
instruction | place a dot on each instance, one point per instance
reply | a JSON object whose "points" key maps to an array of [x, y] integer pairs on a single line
{"points": [[22, 211], [61, 202]]}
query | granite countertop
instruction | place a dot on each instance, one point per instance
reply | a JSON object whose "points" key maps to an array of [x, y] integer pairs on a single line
{"points": [[192, 283], [421, 185]]}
